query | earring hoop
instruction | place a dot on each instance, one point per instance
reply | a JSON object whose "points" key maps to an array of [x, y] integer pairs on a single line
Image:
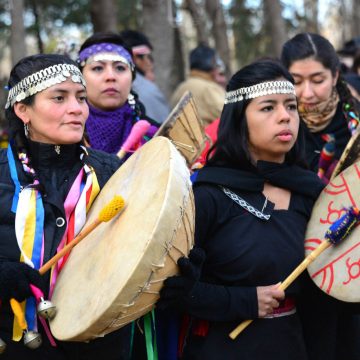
{"points": [[26, 130]]}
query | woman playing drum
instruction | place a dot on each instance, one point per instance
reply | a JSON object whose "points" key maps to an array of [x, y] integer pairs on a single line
{"points": [[326, 105], [253, 199], [46, 177], [109, 70]]}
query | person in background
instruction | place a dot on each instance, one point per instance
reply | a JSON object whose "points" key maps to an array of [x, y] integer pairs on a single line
{"points": [[4, 138], [331, 115], [330, 112], [48, 179], [356, 64], [348, 53], [108, 69], [202, 83], [144, 84], [353, 82], [219, 73]]}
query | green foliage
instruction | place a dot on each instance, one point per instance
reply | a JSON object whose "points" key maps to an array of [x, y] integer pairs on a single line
{"points": [[69, 12], [129, 13], [247, 26]]}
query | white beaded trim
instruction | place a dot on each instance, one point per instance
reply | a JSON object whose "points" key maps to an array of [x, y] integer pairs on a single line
{"points": [[110, 56], [42, 80], [262, 89]]}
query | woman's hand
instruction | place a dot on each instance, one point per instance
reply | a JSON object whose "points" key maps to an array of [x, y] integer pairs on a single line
{"points": [[268, 299], [177, 288], [15, 280]]}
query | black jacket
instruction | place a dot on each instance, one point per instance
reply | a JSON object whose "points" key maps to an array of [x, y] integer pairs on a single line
{"points": [[56, 173]]}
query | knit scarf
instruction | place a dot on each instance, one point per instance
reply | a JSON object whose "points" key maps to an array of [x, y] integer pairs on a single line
{"points": [[319, 116], [107, 130]]}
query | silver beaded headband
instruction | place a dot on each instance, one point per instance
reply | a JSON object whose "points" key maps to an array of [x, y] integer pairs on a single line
{"points": [[42, 80], [108, 57], [262, 89]]}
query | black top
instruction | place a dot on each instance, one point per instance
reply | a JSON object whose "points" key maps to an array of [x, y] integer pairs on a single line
{"points": [[244, 251], [56, 173]]}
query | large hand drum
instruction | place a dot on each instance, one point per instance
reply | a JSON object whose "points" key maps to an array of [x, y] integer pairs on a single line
{"points": [[337, 270], [114, 275], [185, 129]]}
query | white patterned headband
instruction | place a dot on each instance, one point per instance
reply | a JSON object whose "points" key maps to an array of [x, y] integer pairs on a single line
{"points": [[42, 80], [106, 52], [262, 89]]}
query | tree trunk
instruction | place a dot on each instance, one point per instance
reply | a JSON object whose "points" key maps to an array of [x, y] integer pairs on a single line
{"points": [[17, 38], [311, 10], [35, 10], [104, 15], [158, 25], [219, 31], [276, 26], [356, 18], [198, 16]]}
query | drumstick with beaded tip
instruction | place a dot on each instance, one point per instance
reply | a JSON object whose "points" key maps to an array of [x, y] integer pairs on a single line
{"points": [[139, 129], [112, 208], [337, 232]]}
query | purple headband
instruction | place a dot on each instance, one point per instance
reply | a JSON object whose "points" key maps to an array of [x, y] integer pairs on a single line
{"points": [[106, 49]]}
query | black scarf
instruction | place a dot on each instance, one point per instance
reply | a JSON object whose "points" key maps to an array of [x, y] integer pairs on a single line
{"points": [[291, 177]]}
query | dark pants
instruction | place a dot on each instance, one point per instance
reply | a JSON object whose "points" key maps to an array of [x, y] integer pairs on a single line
{"points": [[114, 346]]}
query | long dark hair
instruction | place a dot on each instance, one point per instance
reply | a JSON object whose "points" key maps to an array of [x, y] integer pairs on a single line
{"points": [[309, 45], [231, 148]]}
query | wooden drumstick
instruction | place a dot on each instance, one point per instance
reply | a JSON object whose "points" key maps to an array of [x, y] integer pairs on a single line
{"points": [[335, 234], [106, 214], [139, 129]]}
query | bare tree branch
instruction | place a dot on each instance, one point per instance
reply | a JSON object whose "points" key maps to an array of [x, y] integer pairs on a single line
{"points": [[219, 31], [199, 19], [104, 15], [276, 26], [17, 38]]}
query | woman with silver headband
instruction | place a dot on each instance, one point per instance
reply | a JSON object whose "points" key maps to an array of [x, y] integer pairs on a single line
{"points": [[47, 176], [109, 70], [253, 199]]}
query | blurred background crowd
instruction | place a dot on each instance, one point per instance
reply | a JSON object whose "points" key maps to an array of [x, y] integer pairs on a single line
{"points": [[163, 33]]}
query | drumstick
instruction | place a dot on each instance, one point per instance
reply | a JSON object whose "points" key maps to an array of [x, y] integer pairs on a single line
{"points": [[106, 214], [337, 232], [137, 132]]}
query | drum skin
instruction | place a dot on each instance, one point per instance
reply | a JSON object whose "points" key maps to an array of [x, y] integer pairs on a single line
{"points": [[114, 275], [337, 270], [185, 129]]}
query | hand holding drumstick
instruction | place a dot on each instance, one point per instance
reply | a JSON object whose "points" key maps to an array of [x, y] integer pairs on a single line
{"points": [[268, 299], [335, 234], [139, 129]]}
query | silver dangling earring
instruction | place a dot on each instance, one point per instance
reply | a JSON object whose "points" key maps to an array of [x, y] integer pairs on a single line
{"points": [[26, 130], [131, 100]]}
